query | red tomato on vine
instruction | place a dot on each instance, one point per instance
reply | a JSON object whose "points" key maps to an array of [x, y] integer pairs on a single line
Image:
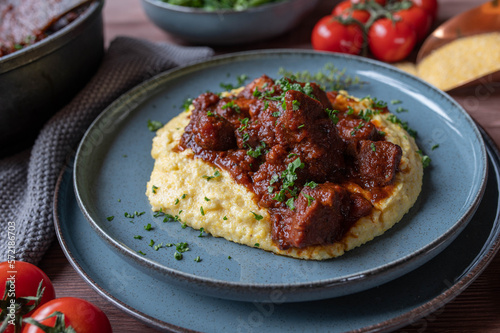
{"points": [[391, 41], [417, 18], [68, 314], [344, 10], [331, 35], [430, 6], [27, 287]]}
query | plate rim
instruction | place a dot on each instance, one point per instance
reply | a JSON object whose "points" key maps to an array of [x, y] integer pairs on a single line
{"points": [[141, 91], [477, 266]]}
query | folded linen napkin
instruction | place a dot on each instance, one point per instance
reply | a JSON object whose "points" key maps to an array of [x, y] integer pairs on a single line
{"points": [[28, 179]]}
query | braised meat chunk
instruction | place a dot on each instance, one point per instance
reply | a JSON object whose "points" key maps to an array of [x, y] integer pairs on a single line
{"points": [[321, 216], [352, 130], [214, 133], [378, 162]]}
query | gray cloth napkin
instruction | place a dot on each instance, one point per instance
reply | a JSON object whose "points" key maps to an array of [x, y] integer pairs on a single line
{"points": [[28, 180]]}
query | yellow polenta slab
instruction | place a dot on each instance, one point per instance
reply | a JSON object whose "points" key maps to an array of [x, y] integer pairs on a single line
{"points": [[181, 185]]}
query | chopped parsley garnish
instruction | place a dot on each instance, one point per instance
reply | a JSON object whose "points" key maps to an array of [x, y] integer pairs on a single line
{"points": [[295, 105], [148, 227], [127, 215], [435, 146], [197, 259], [290, 204], [241, 79], [184, 225], [257, 216], [288, 176], [378, 104], [207, 199], [256, 245], [151, 243], [182, 247], [276, 114], [177, 255], [244, 122], [257, 151], [309, 199], [140, 252], [311, 184], [400, 109], [280, 196], [154, 188], [350, 110], [138, 237], [395, 120], [372, 146], [357, 128], [332, 114], [232, 105], [184, 196], [396, 101], [228, 257], [187, 103], [176, 201], [201, 232], [202, 211], [158, 213], [426, 160], [226, 86], [110, 218], [154, 125], [286, 85], [224, 218], [216, 174], [300, 126], [159, 246], [367, 114], [211, 114]]}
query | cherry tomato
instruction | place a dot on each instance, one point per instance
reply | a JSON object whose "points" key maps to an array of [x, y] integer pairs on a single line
{"points": [[26, 278], [430, 6], [380, 2], [391, 41], [417, 18], [344, 10], [331, 35], [81, 315]]}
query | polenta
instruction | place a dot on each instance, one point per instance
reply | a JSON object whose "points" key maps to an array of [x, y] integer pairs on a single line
{"points": [[285, 167], [459, 62]]}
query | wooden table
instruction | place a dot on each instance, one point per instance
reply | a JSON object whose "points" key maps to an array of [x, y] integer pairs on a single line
{"points": [[476, 309]]}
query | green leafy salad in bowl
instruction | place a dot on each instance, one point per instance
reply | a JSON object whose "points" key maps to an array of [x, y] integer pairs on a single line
{"points": [[220, 4]]}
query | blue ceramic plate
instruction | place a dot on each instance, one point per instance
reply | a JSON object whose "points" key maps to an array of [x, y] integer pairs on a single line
{"points": [[397, 303], [113, 164]]}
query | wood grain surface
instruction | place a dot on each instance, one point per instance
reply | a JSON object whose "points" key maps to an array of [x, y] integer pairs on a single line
{"points": [[477, 309]]}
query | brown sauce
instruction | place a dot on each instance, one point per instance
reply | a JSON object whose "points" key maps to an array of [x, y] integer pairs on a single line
{"points": [[297, 150]]}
